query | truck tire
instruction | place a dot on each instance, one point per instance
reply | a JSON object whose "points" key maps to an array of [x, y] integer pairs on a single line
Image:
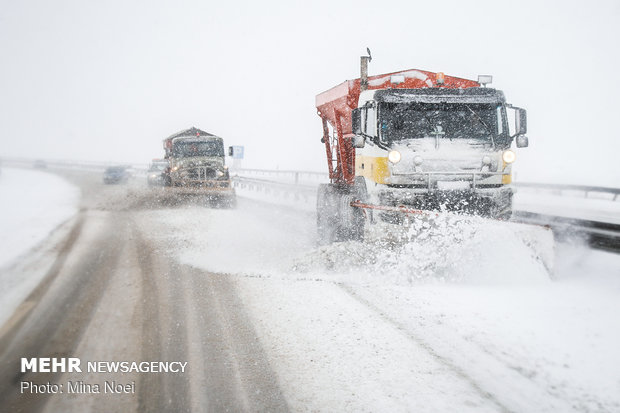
{"points": [[326, 214], [351, 223], [337, 220], [356, 216]]}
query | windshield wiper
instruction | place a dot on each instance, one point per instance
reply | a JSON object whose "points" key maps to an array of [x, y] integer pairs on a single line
{"points": [[483, 124]]}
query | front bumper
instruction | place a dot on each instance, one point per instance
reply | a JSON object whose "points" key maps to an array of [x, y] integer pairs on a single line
{"points": [[495, 202], [409, 195], [467, 180], [217, 188], [199, 175], [203, 178]]}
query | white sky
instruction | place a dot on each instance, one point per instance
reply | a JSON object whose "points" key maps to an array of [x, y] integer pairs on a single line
{"points": [[109, 80]]}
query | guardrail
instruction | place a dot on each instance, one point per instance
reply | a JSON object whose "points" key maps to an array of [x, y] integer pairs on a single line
{"points": [[296, 192], [560, 189], [294, 177]]}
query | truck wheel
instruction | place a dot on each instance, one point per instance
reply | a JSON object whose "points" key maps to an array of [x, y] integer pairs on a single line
{"points": [[352, 229], [326, 214], [351, 222], [353, 218], [337, 220]]}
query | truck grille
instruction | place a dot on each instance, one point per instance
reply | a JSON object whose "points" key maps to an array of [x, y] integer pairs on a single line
{"points": [[201, 174]]}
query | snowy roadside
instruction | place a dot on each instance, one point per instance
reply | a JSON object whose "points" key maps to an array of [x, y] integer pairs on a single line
{"points": [[300, 201], [32, 205], [345, 334], [566, 206]]}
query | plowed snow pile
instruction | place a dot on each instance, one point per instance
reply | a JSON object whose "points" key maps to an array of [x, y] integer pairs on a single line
{"points": [[32, 203], [260, 242], [442, 248]]}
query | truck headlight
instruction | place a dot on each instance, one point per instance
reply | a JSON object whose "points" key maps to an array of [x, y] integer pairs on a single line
{"points": [[509, 156], [394, 156]]}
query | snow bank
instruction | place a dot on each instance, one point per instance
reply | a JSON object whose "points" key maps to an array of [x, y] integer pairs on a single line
{"points": [[269, 241], [32, 204], [443, 248]]}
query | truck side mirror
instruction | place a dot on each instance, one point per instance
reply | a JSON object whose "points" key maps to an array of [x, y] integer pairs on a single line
{"points": [[356, 123], [522, 141], [521, 120]]}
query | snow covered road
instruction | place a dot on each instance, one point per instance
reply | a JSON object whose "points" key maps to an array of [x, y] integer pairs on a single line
{"points": [[347, 339], [268, 321]]}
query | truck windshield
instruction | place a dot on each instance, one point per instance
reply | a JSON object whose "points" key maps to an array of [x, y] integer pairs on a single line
{"points": [[191, 149], [399, 121]]}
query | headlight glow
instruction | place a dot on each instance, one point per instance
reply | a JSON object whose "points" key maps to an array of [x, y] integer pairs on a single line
{"points": [[394, 156], [509, 156]]}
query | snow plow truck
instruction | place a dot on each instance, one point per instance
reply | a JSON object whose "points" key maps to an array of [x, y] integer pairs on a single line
{"points": [[414, 141], [196, 166]]}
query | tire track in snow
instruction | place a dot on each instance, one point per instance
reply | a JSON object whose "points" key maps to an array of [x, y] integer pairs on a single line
{"points": [[423, 344]]}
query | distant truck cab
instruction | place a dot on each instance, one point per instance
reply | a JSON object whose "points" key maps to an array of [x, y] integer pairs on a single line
{"points": [[196, 163]]}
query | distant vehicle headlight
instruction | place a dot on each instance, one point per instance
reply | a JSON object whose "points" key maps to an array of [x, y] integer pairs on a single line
{"points": [[394, 156], [509, 156], [175, 168]]}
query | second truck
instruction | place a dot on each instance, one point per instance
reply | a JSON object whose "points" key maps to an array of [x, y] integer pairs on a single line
{"points": [[414, 141], [196, 166]]}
